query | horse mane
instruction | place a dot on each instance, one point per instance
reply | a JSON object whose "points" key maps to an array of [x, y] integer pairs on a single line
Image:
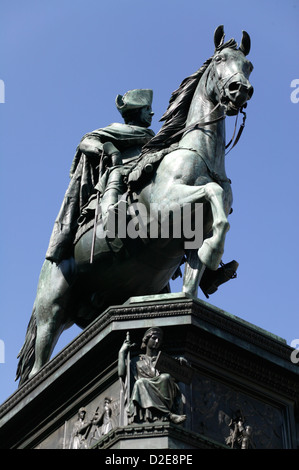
{"points": [[176, 114]]}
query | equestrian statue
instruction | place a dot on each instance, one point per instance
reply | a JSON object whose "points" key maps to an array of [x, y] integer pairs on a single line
{"points": [[122, 170]]}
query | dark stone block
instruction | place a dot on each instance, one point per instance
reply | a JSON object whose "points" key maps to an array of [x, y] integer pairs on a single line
{"points": [[237, 369]]}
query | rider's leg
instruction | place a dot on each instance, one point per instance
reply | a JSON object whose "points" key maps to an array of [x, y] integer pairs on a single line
{"points": [[114, 186], [114, 190]]}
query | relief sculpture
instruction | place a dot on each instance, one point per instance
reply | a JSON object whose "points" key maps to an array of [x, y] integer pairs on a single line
{"points": [[86, 432], [155, 393], [241, 434]]}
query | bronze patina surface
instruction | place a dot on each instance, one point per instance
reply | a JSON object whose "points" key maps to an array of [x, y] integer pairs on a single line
{"points": [[183, 165]]}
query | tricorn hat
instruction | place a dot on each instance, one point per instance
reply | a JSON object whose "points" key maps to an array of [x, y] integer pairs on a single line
{"points": [[134, 99]]}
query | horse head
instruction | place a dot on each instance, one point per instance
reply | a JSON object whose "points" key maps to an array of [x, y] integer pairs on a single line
{"points": [[229, 72]]}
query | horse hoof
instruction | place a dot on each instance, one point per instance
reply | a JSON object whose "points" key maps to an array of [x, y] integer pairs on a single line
{"points": [[209, 256]]}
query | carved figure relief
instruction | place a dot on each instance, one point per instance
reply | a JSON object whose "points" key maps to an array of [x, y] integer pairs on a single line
{"points": [[215, 404], [86, 432], [155, 394], [241, 435], [80, 431]]}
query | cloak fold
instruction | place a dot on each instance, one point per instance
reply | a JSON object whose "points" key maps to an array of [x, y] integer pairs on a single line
{"points": [[84, 176]]}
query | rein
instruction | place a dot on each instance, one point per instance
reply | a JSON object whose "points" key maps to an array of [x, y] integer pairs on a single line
{"points": [[213, 174], [233, 141], [199, 125], [242, 126]]}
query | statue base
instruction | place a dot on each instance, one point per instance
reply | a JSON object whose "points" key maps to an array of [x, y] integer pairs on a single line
{"points": [[240, 374], [160, 435]]}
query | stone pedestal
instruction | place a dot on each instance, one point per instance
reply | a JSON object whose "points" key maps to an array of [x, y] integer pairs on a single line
{"points": [[238, 369]]}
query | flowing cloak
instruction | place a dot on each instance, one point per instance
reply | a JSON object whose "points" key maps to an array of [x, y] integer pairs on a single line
{"points": [[84, 175], [152, 390]]}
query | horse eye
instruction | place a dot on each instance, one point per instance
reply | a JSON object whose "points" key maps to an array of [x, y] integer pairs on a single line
{"points": [[219, 58]]}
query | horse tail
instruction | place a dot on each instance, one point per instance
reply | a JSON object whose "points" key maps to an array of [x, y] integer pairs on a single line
{"points": [[26, 355]]}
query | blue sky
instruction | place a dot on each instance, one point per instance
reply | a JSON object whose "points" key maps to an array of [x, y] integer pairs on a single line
{"points": [[63, 63]]}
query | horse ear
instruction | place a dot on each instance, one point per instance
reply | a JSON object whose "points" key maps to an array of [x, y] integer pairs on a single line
{"points": [[219, 36], [245, 43]]}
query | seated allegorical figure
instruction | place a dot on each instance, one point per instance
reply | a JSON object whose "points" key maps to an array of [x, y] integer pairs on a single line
{"points": [[155, 395]]}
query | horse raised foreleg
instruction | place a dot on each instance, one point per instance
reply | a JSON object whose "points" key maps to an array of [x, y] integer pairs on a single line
{"points": [[179, 188], [211, 251]]}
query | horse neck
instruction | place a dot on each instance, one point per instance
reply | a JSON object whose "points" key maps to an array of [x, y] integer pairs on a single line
{"points": [[209, 140]]}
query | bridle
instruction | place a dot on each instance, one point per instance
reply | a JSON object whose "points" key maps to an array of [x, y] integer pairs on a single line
{"points": [[223, 102]]}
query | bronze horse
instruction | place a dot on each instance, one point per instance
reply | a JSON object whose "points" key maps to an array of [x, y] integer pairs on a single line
{"points": [[76, 291]]}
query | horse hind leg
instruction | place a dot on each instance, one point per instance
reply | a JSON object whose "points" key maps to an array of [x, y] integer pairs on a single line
{"points": [[49, 311], [47, 335], [194, 270]]}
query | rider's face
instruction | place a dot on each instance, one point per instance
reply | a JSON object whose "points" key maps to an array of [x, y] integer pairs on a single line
{"points": [[146, 115]]}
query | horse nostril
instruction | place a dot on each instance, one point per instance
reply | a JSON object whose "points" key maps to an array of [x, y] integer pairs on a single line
{"points": [[234, 87], [250, 92], [237, 88]]}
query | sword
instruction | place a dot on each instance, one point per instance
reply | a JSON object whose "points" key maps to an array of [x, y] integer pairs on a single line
{"points": [[94, 227], [95, 219]]}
